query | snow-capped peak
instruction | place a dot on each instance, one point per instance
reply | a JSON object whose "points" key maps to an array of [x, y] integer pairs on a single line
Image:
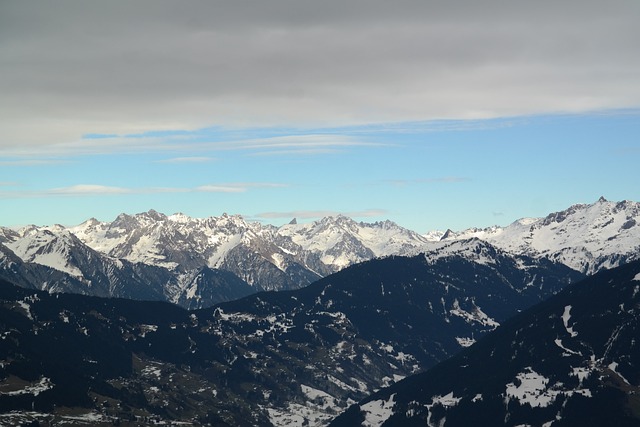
{"points": [[586, 237], [46, 247]]}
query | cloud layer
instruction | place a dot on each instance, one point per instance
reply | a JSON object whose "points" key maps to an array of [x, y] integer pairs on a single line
{"points": [[72, 68]]}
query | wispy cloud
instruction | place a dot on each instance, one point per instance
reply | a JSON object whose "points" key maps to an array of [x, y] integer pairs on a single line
{"points": [[97, 190], [177, 160], [94, 190], [88, 189], [216, 188], [296, 142], [444, 179], [256, 141], [311, 214], [32, 162], [298, 152], [237, 187]]}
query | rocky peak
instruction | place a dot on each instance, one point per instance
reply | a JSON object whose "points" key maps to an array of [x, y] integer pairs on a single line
{"points": [[155, 215], [449, 234]]}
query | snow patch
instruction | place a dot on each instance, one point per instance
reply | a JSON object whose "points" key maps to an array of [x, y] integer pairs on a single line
{"points": [[477, 315], [465, 342], [581, 373], [144, 329], [531, 388], [341, 384], [224, 247], [614, 367], [27, 308], [568, 351], [318, 397], [279, 261], [566, 316], [296, 415], [378, 411], [447, 401], [89, 418], [319, 409], [35, 389], [151, 370]]}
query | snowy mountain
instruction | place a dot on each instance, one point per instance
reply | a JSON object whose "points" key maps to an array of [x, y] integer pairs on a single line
{"points": [[186, 250], [36, 276], [572, 360], [338, 242], [179, 249], [586, 237], [180, 242], [57, 261], [74, 267], [273, 358]]}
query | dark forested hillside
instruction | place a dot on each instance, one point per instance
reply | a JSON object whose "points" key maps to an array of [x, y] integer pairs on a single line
{"points": [[572, 360], [269, 358]]}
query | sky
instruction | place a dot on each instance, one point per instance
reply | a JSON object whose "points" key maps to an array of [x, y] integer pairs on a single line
{"points": [[432, 114]]}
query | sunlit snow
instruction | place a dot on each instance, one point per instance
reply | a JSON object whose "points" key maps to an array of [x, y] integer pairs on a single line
{"points": [[531, 389]]}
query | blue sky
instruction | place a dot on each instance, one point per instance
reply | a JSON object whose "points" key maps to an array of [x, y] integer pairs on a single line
{"points": [[424, 176], [432, 114]]}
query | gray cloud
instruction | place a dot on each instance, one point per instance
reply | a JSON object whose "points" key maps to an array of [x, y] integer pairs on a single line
{"points": [[74, 67]]}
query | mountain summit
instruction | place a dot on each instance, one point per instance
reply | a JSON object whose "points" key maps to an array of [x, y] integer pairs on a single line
{"points": [[586, 237]]}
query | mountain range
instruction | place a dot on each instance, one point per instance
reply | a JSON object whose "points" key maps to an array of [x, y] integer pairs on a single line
{"points": [[197, 263], [295, 325], [586, 237]]}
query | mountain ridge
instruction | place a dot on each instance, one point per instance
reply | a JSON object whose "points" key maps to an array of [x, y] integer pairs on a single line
{"points": [[586, 237]]}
